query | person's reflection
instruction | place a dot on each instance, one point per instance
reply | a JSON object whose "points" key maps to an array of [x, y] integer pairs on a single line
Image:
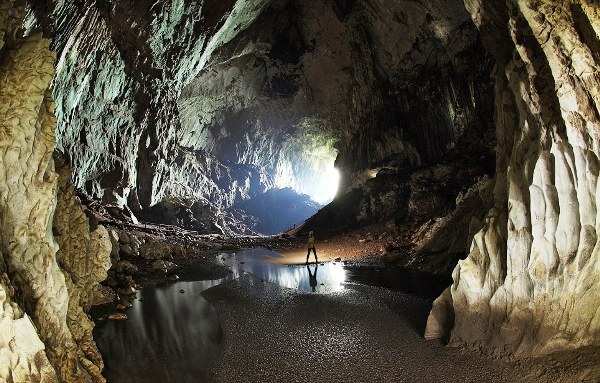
{"points": [[312, 277]]}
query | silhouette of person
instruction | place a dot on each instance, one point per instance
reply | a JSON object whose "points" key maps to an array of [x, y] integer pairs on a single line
{"points": [[312, 278], [311, 246]]}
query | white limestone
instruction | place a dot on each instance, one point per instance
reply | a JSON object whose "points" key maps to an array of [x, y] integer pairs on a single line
{"points": [[531, 283]]}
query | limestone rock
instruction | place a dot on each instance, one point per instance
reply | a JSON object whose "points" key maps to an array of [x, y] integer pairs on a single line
{"points": [[128, 243], [125, 267], [131, 91], [113, 235], [448, 238], [305, 84], [103, 295], [117, 316], [156, 249], [23, 357], [173, 277], [165, 266], [28, 186], [441, 318], [84, 255], [129, 290], [531, 283]]}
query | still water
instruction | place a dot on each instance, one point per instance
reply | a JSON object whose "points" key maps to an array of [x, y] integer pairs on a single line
{"points": [[321, 278], [171, 336], [168, 336]]}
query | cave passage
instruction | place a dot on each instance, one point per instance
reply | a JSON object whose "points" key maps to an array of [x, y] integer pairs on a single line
{"points": [[324, 188], [462, 136]]}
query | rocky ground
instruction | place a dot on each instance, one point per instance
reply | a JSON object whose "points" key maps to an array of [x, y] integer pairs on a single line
{"points": [[365, 333], [271, 333]]}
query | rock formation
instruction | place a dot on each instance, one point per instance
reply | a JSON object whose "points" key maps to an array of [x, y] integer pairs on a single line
{"points": [[84, 256], [43, 336], [213, 103], [176, 111], [531, 281], [120, 69]]}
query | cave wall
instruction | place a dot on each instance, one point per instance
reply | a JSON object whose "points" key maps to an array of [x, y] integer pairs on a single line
{"points": [[337, 71], [120, 68], [531, 281], [218, 102], [45, 334]]}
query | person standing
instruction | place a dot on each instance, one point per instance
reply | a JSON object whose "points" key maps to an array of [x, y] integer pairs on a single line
{"points": [[311, 246]]}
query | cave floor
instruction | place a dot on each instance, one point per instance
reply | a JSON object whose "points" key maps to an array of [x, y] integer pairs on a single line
{"points": [[362, 334]]}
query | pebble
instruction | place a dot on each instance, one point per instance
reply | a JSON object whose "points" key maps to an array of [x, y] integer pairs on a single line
{"points": [[130, 290], [117, 316]]}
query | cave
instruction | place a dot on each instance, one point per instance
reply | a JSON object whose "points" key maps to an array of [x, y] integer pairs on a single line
{"points": [[164, 162]]}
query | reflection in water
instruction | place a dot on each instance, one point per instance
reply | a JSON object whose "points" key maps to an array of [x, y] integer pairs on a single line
{"points": [[169, 336], [413, 282], [312, 277], [331, 275], [172, 337]]}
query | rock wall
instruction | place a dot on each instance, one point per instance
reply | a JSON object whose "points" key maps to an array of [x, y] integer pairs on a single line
{"points": [[531, 283], [39, 340], [84, 250], [120, 69], [307, 82], [217, 102]]}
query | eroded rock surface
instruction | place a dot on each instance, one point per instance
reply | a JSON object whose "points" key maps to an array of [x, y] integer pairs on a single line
{"points": [[531, 281], [84, 256], [120, 69], [214, 103], [40, 307]]}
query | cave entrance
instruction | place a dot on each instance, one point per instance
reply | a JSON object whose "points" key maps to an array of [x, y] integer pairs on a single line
{"points": [[302, 180], [327, 186], [308, 162]]}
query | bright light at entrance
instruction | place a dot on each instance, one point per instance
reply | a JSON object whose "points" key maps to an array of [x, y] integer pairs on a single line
{"points": [[328, 185]]}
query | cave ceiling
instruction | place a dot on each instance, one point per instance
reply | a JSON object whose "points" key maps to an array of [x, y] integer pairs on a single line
{"points": [[219, 101]]}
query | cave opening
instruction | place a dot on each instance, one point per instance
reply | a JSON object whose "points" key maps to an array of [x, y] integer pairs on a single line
{"points": [[217, 130]]}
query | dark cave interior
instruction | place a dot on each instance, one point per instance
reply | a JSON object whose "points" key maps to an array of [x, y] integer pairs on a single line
{"points": [[455, 138]]}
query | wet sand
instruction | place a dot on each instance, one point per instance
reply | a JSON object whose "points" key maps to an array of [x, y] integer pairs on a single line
{"points": [[361, 334], [330, 250], [298, 256]]}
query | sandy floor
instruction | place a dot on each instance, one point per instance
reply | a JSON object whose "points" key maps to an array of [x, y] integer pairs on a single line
{"points": [[371, 245], [298, 256], [361, 245], [363, 334]]}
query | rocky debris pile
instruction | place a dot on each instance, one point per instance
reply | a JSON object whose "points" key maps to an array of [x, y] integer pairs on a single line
{"points": [[422, 218]]}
